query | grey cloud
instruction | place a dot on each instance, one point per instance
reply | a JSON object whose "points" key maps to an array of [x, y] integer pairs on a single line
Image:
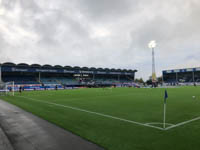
{"points": [[62, 32], [30, 5], [8, 4], [150, 30], [99, 10]]}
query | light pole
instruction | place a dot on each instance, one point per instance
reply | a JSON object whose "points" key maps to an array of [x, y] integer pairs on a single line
{"points": [[152, 45], [0, 75]]}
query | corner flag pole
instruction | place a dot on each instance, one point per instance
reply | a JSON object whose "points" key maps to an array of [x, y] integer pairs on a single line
{"points": [[164, 114]]}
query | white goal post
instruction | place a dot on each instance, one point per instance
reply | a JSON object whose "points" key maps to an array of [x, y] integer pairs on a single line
{"points": [[7, 88]]}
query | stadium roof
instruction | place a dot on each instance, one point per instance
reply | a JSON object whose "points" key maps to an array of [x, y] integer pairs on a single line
{"points": [[181, 70], [10, 64]]}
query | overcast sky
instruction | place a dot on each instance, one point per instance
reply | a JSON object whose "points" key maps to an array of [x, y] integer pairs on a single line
{"points": [[101, 33]]}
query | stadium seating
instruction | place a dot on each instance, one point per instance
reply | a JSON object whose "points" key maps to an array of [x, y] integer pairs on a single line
{"points": [[48, 81], [59, 80], [111, 81], [21, 80], [66, 81]]}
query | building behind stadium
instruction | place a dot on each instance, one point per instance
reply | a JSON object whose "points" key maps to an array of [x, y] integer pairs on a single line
{"points": [[37, 76]]}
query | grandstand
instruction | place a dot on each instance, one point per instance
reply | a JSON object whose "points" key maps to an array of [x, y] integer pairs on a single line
{"points": [[37, 76], [182, 76]]}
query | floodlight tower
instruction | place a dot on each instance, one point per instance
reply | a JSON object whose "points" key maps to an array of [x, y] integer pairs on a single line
{"points": [[0, 75], [152, 45]]}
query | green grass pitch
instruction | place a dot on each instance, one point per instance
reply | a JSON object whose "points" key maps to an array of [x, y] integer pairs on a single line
{"points": [[121, 118]]}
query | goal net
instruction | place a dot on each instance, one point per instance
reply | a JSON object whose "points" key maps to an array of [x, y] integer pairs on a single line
{"points": [[7, 88]]}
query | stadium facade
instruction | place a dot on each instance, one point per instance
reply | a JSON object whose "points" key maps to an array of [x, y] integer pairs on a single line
{"points": [[187, 75], [40, 76]]}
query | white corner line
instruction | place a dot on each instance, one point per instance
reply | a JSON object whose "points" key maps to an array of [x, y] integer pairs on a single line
{"points": [[96, 113], [151, 123], [183, 123]]}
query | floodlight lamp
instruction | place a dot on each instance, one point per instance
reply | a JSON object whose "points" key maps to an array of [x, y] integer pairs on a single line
{"points": [[152, 44]]}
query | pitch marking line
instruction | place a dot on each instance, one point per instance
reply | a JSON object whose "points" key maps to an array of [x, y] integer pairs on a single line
{"points": [[182, 123], [170, 124], [117, 118], [96, 113]]}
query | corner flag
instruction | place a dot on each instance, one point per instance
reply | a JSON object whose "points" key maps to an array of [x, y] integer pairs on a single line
{"points": [[164, 116], [166, 96]]}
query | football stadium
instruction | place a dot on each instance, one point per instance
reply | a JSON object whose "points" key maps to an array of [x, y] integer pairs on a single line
{"points": [[99, 75], [102, 106]]}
